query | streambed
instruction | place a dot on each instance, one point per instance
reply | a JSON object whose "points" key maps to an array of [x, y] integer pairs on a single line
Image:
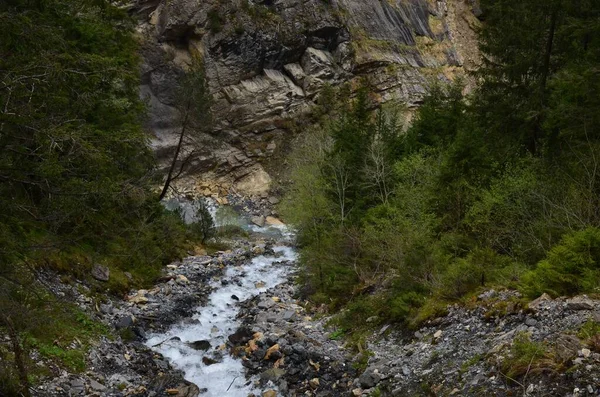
{"points": [[197, 346]]}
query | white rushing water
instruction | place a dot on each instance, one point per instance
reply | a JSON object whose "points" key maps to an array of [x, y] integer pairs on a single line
{"points": [[216, 321]]}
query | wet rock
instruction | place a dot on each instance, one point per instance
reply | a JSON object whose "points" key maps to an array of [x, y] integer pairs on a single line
{"points": [[272, 221], [258, 220], [161, 364], [241, 336], [200, 345], [124, 322], [100, 272], [265, 304], [272, 374], [139, 332], [209, 361]]}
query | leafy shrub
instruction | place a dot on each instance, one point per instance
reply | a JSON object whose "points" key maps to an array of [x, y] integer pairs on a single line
{"points": [[432, 308], [465, 275], [215, 21], [461, 277], [571, 267], [400, 307]]}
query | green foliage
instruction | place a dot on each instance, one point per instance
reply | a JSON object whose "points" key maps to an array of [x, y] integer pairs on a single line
{"points": [[204, 224], [215, 20], [76, 170], [590, 329], [432, 308], [229, 223], [360, 364], [74, 160], [526, 357], [438, 119], [475, 193], [337, 334], [531, 47], [571, 267]]}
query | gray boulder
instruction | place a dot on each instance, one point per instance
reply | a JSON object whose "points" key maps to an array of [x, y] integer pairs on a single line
{"points": [[100, 272]]}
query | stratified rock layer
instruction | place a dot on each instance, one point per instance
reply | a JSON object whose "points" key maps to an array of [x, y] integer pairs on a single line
{"points": [[268, 61]]}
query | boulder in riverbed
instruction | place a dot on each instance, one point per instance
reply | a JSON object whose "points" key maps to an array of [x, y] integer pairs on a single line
{"points": [[241, 336], [200, 345]]}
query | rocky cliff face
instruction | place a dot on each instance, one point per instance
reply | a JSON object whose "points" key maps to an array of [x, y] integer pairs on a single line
{"points": [[268, 60]]}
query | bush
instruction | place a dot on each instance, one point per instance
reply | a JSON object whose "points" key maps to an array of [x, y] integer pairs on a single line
{"points": [[571, 267], [402, 306], [204, 224], [215, 21], [465, 275], [526, 357]]}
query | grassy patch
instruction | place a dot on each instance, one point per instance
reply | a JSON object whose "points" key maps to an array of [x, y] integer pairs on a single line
{"points": [[337, 334], [527, 357], [589, 333], [64, 337], [376, 392], [431, 309], [589, 330]]}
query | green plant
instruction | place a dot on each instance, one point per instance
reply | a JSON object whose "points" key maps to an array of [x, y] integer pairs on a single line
{"points": [[589, 333], [589, 329], [470, 362], [431, 309], [571, 267], [215, 20], [527, 357], [337, 334], [362, 361], [239, 29], [203, 223]]}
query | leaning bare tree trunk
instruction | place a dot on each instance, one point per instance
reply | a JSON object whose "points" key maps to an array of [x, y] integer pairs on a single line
{"points": [[172, 167], [19, 355]]}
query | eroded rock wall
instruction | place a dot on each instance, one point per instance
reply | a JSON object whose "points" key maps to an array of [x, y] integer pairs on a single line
{"points": [[267, 61]]}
